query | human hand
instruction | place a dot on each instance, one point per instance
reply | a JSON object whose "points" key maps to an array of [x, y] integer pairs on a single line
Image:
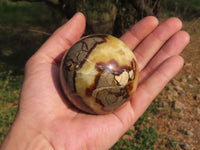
{"points": [[45, 119]]}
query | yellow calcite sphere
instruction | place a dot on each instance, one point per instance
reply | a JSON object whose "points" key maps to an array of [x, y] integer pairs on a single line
{"points": [[99, 73]]}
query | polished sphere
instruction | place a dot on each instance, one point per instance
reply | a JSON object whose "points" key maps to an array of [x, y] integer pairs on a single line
{"points": [[99, 73]]}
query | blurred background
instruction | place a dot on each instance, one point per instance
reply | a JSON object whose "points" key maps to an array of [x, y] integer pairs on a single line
{"points": [[173, 119]]}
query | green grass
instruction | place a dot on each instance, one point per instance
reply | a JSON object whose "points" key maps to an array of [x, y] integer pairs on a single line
{"points": [[145, 135], [9, 95], [6, 116]]}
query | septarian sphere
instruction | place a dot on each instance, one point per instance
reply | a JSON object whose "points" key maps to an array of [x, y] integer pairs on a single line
{"points": [[99, 73]]}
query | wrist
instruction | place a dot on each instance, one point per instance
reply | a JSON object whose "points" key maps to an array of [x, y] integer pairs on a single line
{"points": [[23, 136]]}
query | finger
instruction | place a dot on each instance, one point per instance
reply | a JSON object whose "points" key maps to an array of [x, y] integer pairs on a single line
{"points": [[147, 91], [139, 31], [150, 46], [129, 113], [174, 46], [64, 37]]}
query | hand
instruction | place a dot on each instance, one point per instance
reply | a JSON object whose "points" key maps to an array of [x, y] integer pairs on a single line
{"points": [[45, 120]]}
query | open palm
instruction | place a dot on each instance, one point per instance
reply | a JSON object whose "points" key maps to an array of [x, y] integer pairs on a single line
{"points": [[58, 125]]}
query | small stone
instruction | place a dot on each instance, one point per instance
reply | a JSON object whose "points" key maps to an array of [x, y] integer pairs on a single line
{"points": [[188, 64], [164, 104], [198, 111], [178, 88], [125, 137], [186, 146], [189, 133], [175, 82], [190, 86], [197, 97], [184, 79], [182, 92], [198, 79], [179, 105], [170, 97], [189, 77], [170, 87], [175, 93]]}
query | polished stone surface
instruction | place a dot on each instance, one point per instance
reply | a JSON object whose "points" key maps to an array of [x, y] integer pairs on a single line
{"points": [[99, 73]]}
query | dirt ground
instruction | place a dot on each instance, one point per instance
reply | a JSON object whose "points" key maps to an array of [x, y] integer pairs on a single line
{"points": [[179, 116]]}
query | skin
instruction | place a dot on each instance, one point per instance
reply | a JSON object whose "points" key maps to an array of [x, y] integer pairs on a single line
{"points": [[45, 120]]}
